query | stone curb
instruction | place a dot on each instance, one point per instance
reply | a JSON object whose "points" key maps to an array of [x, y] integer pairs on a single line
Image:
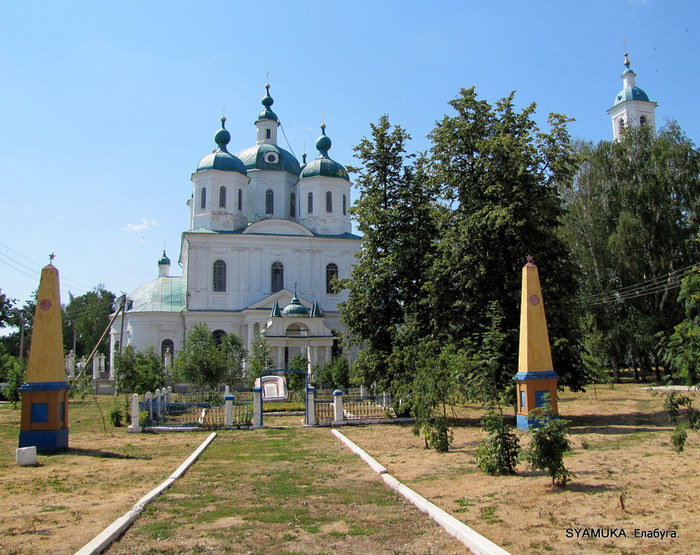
{"points": [[105, 538], [469, 537]]}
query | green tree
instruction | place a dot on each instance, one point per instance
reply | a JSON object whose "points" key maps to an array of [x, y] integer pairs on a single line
{"points": [[204, 362], [260, 358], [632, 220], [498, 176], [86, 318], [6, 306], [14, 378], [549, 441], [394, 213], [138, 371]]}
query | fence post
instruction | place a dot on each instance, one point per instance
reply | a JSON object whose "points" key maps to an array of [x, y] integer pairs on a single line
{"points": [[362, 392], [157, 399], [310, 405], [257, 408], [384, 399], [135, 425], [229, 399], [337, 407], [149, 405]]}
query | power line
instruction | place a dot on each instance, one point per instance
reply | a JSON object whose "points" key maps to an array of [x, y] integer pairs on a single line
{"points": [[646, 283]]}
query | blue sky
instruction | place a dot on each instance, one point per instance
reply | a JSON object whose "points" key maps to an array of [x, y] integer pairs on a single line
{"points": [[106, 108]]}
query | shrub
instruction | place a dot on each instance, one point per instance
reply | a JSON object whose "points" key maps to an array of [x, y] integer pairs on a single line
{"points": [[116, 416], [498, 453], [548, 445], [438, 436]]}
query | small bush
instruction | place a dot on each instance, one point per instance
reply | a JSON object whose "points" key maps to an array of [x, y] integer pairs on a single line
{"points": [[437, 434], [498, 453], [116, 416], [144, 418], [548, 445]]}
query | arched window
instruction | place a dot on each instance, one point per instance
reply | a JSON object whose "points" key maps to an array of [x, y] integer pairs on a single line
{"points": [[240, 199], [621, 124], [268, 134], [218, 336], [219, 275], [222, 197], [292, 206], [167, 346], [269, 202], [203, 201], [643, 121], [310, 204], [331, 276], [329, 202], [345, 206], [276, 277]]}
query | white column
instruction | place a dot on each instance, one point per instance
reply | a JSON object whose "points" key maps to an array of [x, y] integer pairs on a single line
{"points": [[337, 407], [329, 354], [310, 406], [315, 355], [229, 399], [280, 357], [135, 425], [257, 408]]}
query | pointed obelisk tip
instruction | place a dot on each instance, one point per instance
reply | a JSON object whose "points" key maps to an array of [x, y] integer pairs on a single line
{"points": [[46, 351], [529, 260]]}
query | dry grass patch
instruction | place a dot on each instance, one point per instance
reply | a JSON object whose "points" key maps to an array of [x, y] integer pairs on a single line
{"points": [[622, 457], [73, 495]]}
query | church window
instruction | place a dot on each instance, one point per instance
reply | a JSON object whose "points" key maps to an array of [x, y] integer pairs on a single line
{"points": [[218, 336], [329, 202], [310, 204], [167, 346], [222, 197], [240, 199], [331, 276], [345, 206], [276, 277], [219, 276], [268, 134], [643, 121], [203, 201], [269, 202], [292, 206], [621, 124]]}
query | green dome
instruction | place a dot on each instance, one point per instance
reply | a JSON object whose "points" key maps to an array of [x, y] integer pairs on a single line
{"points": [[221, 159], [323, 165], [267, 156], [630, 93], [295, 308], [267, 101]]}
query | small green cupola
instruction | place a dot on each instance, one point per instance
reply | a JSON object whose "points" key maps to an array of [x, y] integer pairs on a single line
{"points": [[323, 165], [267, 101], [295, 308], [221, 159], [164, 266]]}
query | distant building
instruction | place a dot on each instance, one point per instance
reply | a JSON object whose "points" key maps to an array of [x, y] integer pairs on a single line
{"points": [[266, 240], [632, 107]]}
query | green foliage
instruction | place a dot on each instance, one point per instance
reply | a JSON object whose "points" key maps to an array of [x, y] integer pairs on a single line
{"points": [[87, 316], [633, 214], [682, 420], [498, 177], [116, 416], [394, 215], [144, 418], [498, 453], [548, 445], [138, 372], [260, 358], [296, 382], [203, 362], [6, 305], [14, 378], [432, 389], [333, 374], [682, 349]]}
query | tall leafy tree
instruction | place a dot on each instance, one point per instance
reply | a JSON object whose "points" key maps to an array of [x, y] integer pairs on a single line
{"points": [[498, 177], [394, 213], [86, 317], [205, 362], [138, 371], [633, 215]]}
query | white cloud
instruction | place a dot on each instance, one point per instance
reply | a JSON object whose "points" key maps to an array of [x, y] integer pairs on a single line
{"points": [[145, 224]]}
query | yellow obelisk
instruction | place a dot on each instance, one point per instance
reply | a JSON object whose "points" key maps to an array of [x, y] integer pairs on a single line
{"points": [[45, 391], [536, 379]]}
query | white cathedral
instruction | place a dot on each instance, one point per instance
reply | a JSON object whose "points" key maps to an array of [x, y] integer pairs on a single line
{"points": [[267, 238]]}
